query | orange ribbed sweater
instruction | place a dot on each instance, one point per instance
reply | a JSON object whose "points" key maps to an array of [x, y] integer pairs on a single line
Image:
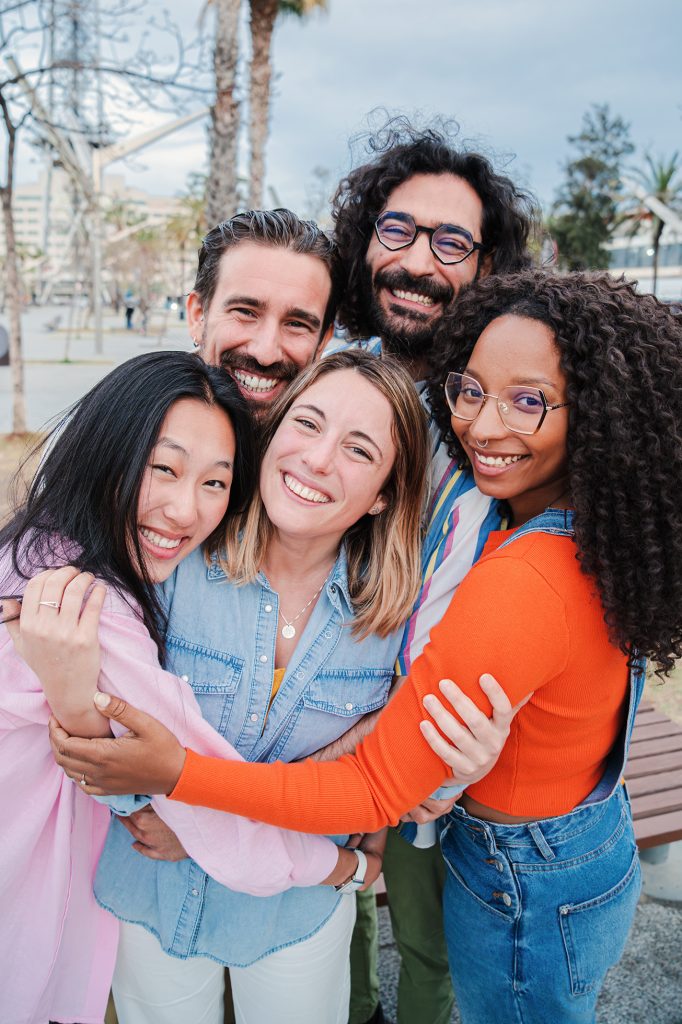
{"points": [[528, 615]]}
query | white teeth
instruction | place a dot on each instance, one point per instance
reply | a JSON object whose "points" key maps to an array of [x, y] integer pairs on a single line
{"points": [[496, 460], [304, 492], [248, 380], [156, 538], [423, 300]]}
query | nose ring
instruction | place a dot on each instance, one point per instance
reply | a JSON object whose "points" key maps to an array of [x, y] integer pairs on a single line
{"points": [[482, 444]]}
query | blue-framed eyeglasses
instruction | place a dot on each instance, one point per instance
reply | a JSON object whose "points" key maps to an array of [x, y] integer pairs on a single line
{"points": [[449, 242]]}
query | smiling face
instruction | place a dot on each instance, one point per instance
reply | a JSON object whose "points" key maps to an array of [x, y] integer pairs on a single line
{"points": [[410, 288], [529, 471], [264, 322], [329, 458], [186, 486]]}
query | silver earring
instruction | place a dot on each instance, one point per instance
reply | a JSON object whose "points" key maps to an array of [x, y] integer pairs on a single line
{"points": [[195, 342], [375, 510]]}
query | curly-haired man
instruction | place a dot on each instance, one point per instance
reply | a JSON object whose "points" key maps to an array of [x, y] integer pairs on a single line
{"points": [[415, 225]]}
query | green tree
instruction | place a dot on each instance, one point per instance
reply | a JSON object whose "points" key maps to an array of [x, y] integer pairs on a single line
{"points": [[262, 22], [662, 179], [585, 210]]}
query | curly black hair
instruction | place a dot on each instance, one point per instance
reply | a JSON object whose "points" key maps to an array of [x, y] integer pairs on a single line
{"points": [[621, 354], [401, 151]]}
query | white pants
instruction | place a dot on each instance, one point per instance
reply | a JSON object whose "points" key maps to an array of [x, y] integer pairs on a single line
{"points": [[307, 983]]}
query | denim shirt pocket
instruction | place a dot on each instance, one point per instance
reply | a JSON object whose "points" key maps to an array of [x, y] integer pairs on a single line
{"points": [[333, 701], [213, 675]]}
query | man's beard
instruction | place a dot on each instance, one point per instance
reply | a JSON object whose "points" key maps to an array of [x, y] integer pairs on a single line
{"points": [[406, 333], [285, 371]]}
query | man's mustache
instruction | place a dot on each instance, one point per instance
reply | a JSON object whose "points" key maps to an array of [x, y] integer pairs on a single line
{"points": [[285, 371], [404, 282]]}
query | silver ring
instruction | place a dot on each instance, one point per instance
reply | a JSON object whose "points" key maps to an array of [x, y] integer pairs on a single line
{"points": [[51, 604], [82, 780]]}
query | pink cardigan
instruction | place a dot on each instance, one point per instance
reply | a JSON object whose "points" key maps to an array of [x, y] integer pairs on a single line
{"points": [[57, 946]]}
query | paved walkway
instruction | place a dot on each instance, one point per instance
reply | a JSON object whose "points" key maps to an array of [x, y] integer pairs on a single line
{"points": [[52, 382], [644, 988]]}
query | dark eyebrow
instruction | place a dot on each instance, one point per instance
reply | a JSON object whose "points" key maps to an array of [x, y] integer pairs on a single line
{"points": [[243, 300], [168, 442], [529, 382], [353, 433], [534, 382], [295, 312], [302, 314]]}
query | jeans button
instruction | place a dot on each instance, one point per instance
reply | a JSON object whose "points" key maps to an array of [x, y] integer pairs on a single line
{"points": [[506, 899]]}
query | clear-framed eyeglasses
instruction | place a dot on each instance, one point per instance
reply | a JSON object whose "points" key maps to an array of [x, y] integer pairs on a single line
{"points": [[449, 242], [522, 409]]}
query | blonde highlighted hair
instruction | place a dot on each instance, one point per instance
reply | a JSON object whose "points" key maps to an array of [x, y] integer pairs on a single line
{"points": [[383, 551]]}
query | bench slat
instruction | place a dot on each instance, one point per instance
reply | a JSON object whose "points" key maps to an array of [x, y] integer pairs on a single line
{"points": [[651, 765], [657, 803], [658, 729], [662, 745], [662, 828], [655, 783]]}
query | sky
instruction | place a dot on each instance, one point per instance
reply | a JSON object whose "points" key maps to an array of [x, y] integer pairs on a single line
{"points": [[517, 75]]}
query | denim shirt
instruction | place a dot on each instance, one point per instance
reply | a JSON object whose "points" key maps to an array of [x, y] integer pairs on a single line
{"points": [[221, 638]]}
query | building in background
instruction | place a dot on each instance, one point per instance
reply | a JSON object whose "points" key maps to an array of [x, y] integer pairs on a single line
{"points": [[52, 231], [633, 256]]}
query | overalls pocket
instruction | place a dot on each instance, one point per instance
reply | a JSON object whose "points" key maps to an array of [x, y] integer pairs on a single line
{"points": [[588, 930]]}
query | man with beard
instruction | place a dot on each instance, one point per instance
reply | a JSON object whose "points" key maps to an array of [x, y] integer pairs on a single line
{"points": [[264, 299], [416, 225]]}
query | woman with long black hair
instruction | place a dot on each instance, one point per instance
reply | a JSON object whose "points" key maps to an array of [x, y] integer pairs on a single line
{"points": [[144, 470]]}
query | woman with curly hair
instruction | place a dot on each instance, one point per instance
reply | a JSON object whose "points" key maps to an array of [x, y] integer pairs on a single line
{"points": [[564, 395]]}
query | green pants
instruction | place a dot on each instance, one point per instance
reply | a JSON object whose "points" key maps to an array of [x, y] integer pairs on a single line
{"points": [[414, 882], [364, 957]]}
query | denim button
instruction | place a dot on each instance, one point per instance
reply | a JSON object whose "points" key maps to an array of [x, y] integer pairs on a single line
{"points": [[185, 679], [195, 892], [328, 634], [263, 658], [349, 707], [506, 899], [268, 607], [254, 718]]}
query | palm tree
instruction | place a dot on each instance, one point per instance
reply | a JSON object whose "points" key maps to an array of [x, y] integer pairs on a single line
{"points": [[221, 190], [262, 22], [662, 179]]}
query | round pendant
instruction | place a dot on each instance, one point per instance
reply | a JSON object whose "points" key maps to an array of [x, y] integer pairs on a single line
{"points": [[288, 631]]}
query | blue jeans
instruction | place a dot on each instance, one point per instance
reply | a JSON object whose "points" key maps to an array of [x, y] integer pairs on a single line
{"points": [[535, 914]]}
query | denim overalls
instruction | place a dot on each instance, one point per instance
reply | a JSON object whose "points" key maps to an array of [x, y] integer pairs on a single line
{"points": [[535, 914]]}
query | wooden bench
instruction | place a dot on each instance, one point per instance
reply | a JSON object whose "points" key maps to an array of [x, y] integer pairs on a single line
{"points": [[654, 777]]}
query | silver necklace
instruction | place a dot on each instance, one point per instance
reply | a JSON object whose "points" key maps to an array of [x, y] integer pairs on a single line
{"points": [[288, 629]]}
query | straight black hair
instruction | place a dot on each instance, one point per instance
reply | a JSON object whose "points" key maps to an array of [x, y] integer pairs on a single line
{"points": [[82, 505]]}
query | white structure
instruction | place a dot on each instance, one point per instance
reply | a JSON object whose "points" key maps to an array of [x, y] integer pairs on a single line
{"points": [[633, 257], [36, 241]]}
